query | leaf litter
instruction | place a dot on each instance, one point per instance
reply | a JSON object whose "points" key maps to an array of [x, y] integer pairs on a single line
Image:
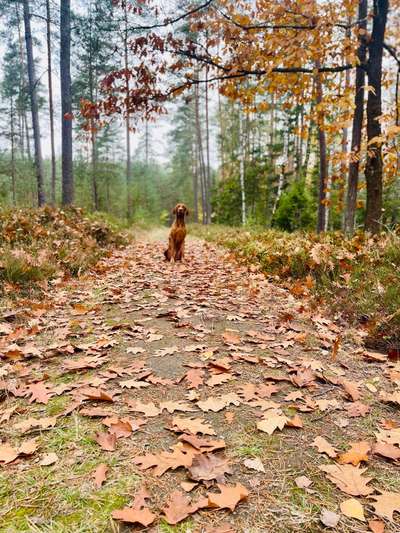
{"points": [[135, 367]]}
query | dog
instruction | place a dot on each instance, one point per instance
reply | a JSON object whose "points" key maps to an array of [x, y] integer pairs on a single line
{"points": [[176, 240]]}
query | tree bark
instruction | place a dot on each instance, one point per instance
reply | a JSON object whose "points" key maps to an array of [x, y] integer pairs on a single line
{"points": [[374, 164], [12, 135], [323, 161], [352, 180], [208, 200], [129, 210], [66, 103], [241, 169], [51, 105], [41, 199]]}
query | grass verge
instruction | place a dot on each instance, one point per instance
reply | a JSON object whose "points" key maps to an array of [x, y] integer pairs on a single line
{"points": [[358, 277]]}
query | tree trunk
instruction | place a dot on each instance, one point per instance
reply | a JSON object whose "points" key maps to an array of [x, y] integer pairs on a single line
{"points": [[323, 161], [12, 134], [374, 164], [202, 169], [352, 180], [195, 184], [241, 169], [51, 106], [34, 106], [208, 200], [66, 103], [129, 210]]}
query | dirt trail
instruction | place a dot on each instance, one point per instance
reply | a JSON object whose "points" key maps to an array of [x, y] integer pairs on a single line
{"points": [[242, 357]]}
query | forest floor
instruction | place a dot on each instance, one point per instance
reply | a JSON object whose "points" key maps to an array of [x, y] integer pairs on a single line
{"points": [[150, 379]]}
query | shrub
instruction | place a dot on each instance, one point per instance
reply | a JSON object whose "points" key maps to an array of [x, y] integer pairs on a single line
{"points": [[38, 244]]}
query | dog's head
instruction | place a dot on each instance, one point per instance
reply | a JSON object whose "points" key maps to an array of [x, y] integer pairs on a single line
{"points": [[180, 210]]}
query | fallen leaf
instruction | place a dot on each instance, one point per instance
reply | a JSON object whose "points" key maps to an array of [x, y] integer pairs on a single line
{"points": [[188, 486], [386, 450], [323, 446], [357, 453], [348, 479], [49, 459], [351, 388], [100, 475], [357, 409], [254, 464], [206, 467], [144, 517], [192, 425], [229, 496], [376, 526], [329, 518], [271, 421], [179, 507], [231, 336], [352, 508], [303, 482], [386, 504], [107, 441], [7, 453], [148, 409]]}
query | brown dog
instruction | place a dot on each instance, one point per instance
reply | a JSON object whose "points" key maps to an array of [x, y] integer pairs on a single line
{"points": [[177, 234]]}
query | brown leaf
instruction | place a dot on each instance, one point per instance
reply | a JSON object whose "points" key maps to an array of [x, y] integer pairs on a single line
{"points": [[254, 464], [304, 377], [179, 507], [219, 379], [39, 392], [201, 443], [357, 409], [172, 406], [148, 409], [357, 453], [107, 441], [42, 423], [188, 486], [348, 479], [206, 467], [133, 384], [231, 337], [386, 504], [376, 526], [303, 482], [272, 420], [386, 450], [195, 377], [144, 517], [100, 474], [49, 459], [96, 394], [8, 454], [229, 496], [216, 403], [323, 446], [351, 388], [192, 425], [352, 508]]}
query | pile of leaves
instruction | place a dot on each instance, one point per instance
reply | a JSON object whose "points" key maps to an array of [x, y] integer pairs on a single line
{"points": [[358, 277], [39, 244]]}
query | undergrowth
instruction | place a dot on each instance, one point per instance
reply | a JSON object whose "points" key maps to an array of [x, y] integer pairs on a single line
{"points": [[358, 277], [40, 244]]}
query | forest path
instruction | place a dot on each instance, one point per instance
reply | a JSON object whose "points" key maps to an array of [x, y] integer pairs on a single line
{"points": [[126, 365]]}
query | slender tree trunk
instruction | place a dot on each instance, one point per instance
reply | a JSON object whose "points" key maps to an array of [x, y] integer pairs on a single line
{"points": [[34, 106], [28, 139], [208, 199], [21, 110], [202, 170], [12, 134], [352, 180], [195, 183], [66, 103], [241, 169], [146, 142], [323, 161], [51, 106], [129, 211], [374, 164]]}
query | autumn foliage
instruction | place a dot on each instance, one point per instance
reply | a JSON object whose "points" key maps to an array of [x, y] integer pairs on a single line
{"points": [[38, 244]]}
